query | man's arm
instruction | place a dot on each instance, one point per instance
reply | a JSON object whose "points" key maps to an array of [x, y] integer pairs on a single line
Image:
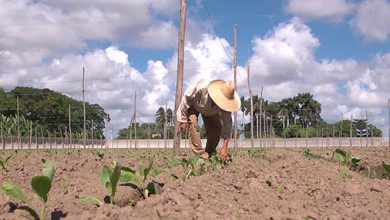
{"points": [[182, 111]]}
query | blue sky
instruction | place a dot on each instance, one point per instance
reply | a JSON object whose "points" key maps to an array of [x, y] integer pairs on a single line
{"points": [[337, 50]]}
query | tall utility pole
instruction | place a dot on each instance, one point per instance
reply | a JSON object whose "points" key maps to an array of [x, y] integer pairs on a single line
{"points": [[366, 129], [84, 126], [235, 85], [70, 128], [135, 119], [17, 111], [180, 66], [251, 100], [261, 110], [350, 132], [165, 124], [388, 106]]}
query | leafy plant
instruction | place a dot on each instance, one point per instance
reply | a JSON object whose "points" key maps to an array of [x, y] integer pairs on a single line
{"points": [[355, 161], [173, 162], [307, 154], [280, 190], [386, 167], [91, 200], [345, 174], [41, 185], [100, 154], [4, 163], [109, 179], [139, 179], [341, 155], [218, 163], [257, 151], [189, 165], [64, 186], [325, 156]]}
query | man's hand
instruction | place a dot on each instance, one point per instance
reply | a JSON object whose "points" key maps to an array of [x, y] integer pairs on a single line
{"points": [[183, 126], [224, 150]]}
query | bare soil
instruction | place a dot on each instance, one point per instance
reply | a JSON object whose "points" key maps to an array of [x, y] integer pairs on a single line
{"points": [[269, 183]]}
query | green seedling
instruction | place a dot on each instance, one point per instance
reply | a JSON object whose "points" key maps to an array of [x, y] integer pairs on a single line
{"points": [[109, 179], [280, 190], [41, 185], [64, 186], [307, 154], [355, 161], [345, 174], [253, 152], [140, 179], [386, 167], [189, 165], [341, 155], [100, 154], [4, 163], [218, 163], [325, 156]]}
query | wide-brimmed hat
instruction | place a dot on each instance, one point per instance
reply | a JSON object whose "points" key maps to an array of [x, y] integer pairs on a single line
{"points": [[224, 95]]}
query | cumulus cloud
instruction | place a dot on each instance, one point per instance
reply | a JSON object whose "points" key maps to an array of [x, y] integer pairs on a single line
{"points": [[372, 18], [333, 10], [284, 62]]}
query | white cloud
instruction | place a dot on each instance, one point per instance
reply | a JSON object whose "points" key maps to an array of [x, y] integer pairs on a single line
{"points": [[283, 61], [333, 10], [119, 57], [372, 18]]}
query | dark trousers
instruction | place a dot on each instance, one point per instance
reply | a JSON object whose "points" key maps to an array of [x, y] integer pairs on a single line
{"points": [[213, 131]]}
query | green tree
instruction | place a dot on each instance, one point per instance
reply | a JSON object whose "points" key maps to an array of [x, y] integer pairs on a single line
{"points": [[48, 110]]}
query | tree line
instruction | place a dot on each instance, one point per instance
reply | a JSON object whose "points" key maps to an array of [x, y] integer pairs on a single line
{"points": [[300, 116], [28, 111]]}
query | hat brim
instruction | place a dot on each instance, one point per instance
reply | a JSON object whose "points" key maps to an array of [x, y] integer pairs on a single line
{"points": [[230, 105]]}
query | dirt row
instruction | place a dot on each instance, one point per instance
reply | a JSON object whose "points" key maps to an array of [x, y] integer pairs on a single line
{"points": [[262, 183]]}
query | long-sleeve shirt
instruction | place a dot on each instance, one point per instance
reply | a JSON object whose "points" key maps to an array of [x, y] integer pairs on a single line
{"points": [[197, 96]]}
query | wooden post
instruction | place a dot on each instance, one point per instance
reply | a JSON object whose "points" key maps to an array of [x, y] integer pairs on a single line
{"points": [[62, 138], [261, 110], [180, 66], [235, 84], [389, 120], [30, 136], [251, 102], [84, 125], [333, 133], [1, 134], [92, 133], [43, 139], [70, 128], [350, 133], [135, 119], [366, 129], [265, 128], [165, 125], [36, 137], [341, 130], [18, 122]]}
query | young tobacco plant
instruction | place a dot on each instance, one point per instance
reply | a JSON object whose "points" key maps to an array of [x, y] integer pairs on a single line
{"points": [[41, 185], [109, 179], [386, 167], [307, 154], [355, 162], [341, 155], [4, 163], [140, 179]]}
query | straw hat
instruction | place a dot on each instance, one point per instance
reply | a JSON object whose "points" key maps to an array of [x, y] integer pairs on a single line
{"points": [[223, 94]]}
